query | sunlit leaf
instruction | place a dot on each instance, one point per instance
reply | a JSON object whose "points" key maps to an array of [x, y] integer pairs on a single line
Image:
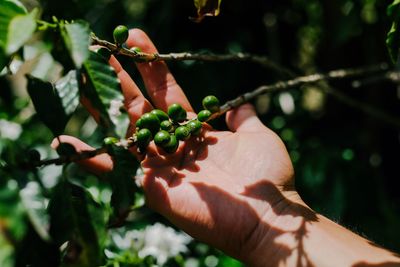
{"points": [[77, 40], [20, 30], [101, 88], [206, 8], [54, 104], [35, 206], [8, 10]]}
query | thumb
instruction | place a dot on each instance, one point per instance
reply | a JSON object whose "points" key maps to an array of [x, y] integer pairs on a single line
{"points": [[244, 119], [98, 165]]}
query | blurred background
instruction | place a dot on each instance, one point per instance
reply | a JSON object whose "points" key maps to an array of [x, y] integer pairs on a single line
{"points": [[346, 161]]}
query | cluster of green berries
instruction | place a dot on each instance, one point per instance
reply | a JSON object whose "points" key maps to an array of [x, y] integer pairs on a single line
{"points": [[166, 129]]}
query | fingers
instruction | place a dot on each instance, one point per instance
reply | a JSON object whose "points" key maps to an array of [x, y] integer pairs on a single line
{"points": [[98, 165], [161, 85], [135, 103], [244, 119]]}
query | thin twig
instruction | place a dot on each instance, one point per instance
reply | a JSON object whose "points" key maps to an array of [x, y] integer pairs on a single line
{"points": [[148, 57], [279, 86]]}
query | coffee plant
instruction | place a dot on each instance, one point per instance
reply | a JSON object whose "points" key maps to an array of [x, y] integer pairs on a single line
{"points": [[73, 218]]}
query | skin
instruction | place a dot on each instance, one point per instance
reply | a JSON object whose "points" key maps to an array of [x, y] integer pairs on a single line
{"points": [[231, 189]]}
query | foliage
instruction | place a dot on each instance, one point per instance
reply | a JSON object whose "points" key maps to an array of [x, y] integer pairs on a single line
{"points": [[65, 216]]}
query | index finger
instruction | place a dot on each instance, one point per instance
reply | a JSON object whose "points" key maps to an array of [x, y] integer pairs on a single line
{"points": [[160, 84]]}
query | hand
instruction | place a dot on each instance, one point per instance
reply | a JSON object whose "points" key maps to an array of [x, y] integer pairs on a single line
{"points": [[226, 188]]}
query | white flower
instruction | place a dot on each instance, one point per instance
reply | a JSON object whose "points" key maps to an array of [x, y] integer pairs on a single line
{"points": [[163, 242], [159, 241], [10, 130]]}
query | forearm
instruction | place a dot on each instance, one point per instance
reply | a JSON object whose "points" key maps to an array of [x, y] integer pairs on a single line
{"points": [[301, 237]]}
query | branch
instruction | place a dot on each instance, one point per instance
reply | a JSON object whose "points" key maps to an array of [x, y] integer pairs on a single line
{"points": [[279, 86], [146, 57]]}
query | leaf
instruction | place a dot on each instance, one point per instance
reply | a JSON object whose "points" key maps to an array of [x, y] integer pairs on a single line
{"points": [[3, 59], [102, 86], [206, 8], [35, 206], [123, 186], [20, 30], [55, 104], [8, 10], [72, 220], [393, 42], [76, 36], [393, 36]]}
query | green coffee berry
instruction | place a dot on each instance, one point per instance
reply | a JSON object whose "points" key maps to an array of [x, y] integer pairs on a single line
{"points": [[194, 127], [66, 149], [150, 121], [177, 113], [110, 140], [161, 115], [182, 133], [33, 155], [104, 52], [162, 138], [143, 137], [204, 115], [172, 145], [136, 49], [139, 123], [167, 126], [211, 103], [120, 34]]}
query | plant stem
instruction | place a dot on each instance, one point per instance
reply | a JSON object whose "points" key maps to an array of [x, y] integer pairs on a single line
{"points": [[279, 86], [148, 57]]}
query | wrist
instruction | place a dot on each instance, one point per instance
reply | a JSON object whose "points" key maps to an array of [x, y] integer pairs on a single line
{"points": [[285, 220]]}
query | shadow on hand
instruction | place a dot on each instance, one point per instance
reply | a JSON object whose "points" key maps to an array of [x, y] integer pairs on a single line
{"points": [[226, 212]]}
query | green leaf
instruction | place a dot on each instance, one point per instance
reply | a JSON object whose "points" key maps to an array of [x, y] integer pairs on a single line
{"points": [[35, 206], [124, 189], [393, 41], [206, 8], [55, 104], [102, 87], [3, 59], [393, 36], [72, 220], [76, 36], [8, 10], [6, 252], [20, 30]]}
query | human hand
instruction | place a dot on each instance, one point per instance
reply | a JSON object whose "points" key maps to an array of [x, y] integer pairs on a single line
{"points": [[226, 188]]}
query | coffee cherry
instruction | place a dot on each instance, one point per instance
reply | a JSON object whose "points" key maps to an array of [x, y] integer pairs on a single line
{"points": [[177, 113], [204, 115], [110, 141], [104, 52], [120, 34], [143, 137], [161, 115], [136, 49], [194, 127], [167, 126], [150, 121], [33, 155], [172, 145], [211, 103], [162, 138], [139, 123], [182, 133]]}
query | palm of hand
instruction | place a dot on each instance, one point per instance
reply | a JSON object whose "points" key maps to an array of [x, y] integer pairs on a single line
{"points": [[213, 187]]}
